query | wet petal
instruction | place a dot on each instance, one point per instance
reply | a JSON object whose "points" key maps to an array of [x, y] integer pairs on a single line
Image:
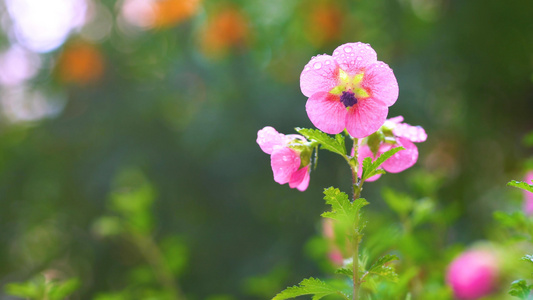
{"points": [[268, 137], [284, 161], [354, 58], [403, 159], [366, 117], [380, 82], [415, 134], [326, 112], [300, 179], [319, 75]]}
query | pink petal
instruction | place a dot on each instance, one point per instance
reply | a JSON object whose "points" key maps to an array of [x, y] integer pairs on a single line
{"points": [[319, 75], [364, 152], [403, 159], [380, 82], [284, 161], [300, 179], [365, 117], [415, 134], [268, 137], [326, 112], [397, 119], [354, 58]]}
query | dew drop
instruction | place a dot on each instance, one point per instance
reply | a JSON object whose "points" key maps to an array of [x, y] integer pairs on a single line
{"points": [[317, 66], [328, 62], [359, 58], [347, 49]]}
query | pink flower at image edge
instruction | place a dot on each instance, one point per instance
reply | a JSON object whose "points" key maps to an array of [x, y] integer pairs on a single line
{"points": [[350, 89], [285, 162], [473, 274]]}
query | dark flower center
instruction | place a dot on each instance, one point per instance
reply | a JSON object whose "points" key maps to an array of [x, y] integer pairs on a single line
{"points": [[348, 99]]}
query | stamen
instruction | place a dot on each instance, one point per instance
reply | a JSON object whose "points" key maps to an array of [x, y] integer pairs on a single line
{"points": [[348, 99]]}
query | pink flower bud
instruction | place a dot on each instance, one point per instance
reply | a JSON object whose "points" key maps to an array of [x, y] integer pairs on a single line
{"points": [[473, 274]]}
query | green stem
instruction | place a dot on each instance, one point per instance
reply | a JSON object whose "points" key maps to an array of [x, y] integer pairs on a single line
{"points": [[155, 258], [357, 188]]}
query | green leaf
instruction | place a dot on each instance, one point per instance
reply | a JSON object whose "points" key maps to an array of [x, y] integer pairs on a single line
{"points": [[514, 220], [402, 204], [310, 286], [528, 139], [341, 208], [521, 185], [335, 145], [25, 290], [345, 271], [528, 258], [64, 289], [380, 269], [520, 289], [371, 168]]}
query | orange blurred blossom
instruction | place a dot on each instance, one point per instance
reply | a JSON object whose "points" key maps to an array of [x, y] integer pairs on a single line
{"points": [[228, 28], [80, 63]]}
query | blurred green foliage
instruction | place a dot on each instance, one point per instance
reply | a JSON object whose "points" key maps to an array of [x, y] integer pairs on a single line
{"points": [[158, 151]]}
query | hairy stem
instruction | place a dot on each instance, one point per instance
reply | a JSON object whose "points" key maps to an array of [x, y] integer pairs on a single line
{"points": [[356, 238]]}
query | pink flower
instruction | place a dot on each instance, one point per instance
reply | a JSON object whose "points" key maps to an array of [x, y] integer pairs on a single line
{"points": [[528, 196], [350, 89], [393, 134], [473, 274], [289, 157]]}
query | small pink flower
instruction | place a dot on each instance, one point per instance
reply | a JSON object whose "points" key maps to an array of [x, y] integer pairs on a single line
{"points": [[473, 274], [528, 196], [288, 163], [394, 134], [350, 89]]}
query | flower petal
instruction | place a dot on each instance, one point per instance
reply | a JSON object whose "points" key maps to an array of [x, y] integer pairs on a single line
{"points": [[321, 74], [284, 161], [300, 179], [415, 134], [326, 112], [380, 82], [354, 58], [366, 117], [403, 159], [268, 137]]}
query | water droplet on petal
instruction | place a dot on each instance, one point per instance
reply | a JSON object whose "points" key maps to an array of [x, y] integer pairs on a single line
{"points": [[359, 58], [347, 49], [317, 66], [328, 62]]}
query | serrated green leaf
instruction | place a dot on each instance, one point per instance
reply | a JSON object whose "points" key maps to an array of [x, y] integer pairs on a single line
{"points": [[310, 286], [370, 169], [381, 261], [335, 145], [520, 289], [380, 269], [345, 271], [521, 185], [341, 208]]}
